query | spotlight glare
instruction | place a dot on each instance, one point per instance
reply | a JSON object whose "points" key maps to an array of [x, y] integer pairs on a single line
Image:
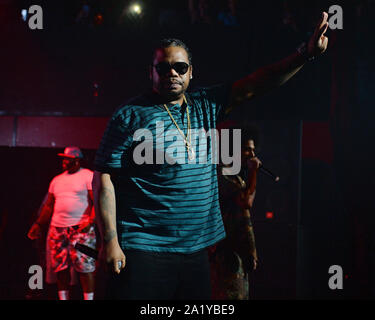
{"points": [[136, 8]]}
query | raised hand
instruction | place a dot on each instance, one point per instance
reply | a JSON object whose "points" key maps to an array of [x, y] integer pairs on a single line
{"points": [[318, 42], [254, 163]]}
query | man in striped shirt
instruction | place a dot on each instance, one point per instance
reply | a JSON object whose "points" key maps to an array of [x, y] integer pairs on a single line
{"points": [[156, 201]]}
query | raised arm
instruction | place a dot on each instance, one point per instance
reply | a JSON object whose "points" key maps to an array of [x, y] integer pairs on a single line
{"points": [[272, 76], [105, 208]]}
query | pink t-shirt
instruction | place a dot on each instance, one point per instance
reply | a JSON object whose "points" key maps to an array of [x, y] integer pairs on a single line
{"points": [[71, 197]]}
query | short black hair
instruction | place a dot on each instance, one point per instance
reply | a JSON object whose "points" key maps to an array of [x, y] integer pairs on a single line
{"points": [[172, 42], [250, 132]]}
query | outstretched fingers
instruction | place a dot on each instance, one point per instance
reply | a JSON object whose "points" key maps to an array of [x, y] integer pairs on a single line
{"points": [[323, 30], [322, 26]]}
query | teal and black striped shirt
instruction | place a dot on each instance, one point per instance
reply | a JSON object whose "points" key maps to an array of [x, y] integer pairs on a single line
{"points": [[160, 205]]}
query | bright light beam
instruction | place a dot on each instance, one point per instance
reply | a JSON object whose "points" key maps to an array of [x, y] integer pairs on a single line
{"points": [[136, 8]]}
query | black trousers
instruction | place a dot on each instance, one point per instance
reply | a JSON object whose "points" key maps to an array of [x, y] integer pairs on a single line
{"points": [[162, 276]]}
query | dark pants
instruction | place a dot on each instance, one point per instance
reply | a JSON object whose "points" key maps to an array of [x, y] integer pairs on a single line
{"points": [[162, 276]]}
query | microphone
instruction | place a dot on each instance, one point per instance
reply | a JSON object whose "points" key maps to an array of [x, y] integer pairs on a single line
{"points": [[265, 171], [91, 252], [269, 173], [87, 250]]}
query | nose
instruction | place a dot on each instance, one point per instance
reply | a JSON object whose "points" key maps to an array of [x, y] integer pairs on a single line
{"points": [[172, 72]]}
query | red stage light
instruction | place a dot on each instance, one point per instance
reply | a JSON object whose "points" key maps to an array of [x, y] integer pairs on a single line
{"points": [[98, 19], [269, 215]]}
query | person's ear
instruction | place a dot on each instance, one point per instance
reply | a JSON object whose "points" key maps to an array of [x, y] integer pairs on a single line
{"points": [[191, 72]]}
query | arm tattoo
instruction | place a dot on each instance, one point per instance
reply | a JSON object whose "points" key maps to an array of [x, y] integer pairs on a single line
{"points": [[108, 213], [109, 235], [107, 202]]}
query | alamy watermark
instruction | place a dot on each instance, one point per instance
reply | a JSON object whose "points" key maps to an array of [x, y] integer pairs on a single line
{"points": [[36, 280], [336, 19], [35, 19], [336, 281], [201, 147], [34, 15]]}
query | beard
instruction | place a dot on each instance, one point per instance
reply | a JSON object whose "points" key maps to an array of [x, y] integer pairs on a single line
{"points": [[67, 167], [172, 95], [70, 166], [169, 93]]}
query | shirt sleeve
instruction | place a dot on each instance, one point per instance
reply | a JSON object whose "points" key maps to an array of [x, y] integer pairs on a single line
{"points": [[90, 175], [115, 143], [51, 186], [219, 97]]}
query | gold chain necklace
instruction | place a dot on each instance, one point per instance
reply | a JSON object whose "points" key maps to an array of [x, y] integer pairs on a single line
{"points": [[189, 148]]}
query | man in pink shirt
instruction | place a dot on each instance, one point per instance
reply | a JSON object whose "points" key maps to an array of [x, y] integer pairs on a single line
{"points": [[69, 210]]}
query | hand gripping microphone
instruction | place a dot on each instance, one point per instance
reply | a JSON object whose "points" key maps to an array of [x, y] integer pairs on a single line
{"points": [[266, 171]]}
